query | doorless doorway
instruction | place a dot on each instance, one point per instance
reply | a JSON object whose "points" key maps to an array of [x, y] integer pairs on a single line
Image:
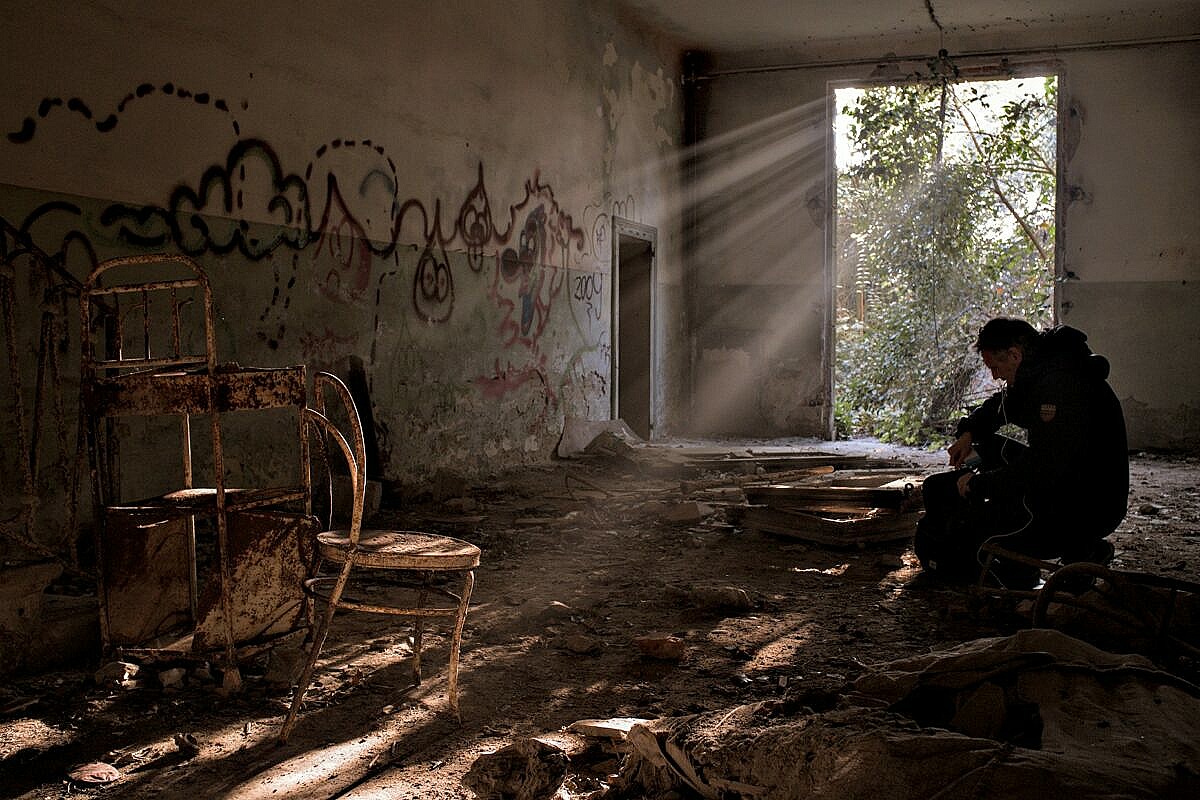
{"points": [[633, 321]]}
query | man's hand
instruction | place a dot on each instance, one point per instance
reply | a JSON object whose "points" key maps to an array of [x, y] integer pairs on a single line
{"points": [[959, 451], [964, 483]]}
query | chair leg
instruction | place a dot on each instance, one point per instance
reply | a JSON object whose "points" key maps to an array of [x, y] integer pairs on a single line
{"points": [[419, 629], [315, 652], [456, 641], [309, 607]]}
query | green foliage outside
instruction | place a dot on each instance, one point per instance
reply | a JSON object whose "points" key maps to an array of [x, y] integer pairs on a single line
{"points": [[945, 219]]}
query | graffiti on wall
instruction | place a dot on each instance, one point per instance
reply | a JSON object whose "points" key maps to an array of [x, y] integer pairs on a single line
{"points": [[324, 229], [106, 122], [588, 291], [250, 204]]}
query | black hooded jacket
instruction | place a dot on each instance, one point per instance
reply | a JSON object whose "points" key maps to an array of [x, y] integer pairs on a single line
{"points": [[1076, 470]]}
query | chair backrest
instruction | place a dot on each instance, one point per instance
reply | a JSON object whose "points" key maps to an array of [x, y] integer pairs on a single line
{"points": [[317, 420]]}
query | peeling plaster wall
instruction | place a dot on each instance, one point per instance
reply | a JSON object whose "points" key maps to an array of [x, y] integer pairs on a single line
{"points": [[1131, 239], [760, 282], [422, 187], [1129, 233]]}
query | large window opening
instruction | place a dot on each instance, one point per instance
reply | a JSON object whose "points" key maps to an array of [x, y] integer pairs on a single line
{"points": [[945, 218]]}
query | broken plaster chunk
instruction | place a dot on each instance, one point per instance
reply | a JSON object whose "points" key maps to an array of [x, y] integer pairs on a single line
{"points": [[686, 513], [721, 598], [613, 728], [546, 613], [172, 678], [662, 646], [94, 773], [116, 672]]}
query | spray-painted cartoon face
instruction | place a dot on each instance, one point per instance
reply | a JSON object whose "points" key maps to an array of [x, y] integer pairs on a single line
{"points": [[523, 281]]}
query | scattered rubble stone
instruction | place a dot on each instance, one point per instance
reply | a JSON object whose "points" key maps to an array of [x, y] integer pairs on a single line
{"points": [[661, 646], [119, 672], [95, 772], [172, 678], [547, 613], [581, 644], [720, 598], [614, 728], [187, 744], [528, 769], [686, 513], [284, 666], [463, 504]]}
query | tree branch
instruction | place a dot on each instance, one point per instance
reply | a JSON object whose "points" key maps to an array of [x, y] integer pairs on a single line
{"points": [[1025, 227]]}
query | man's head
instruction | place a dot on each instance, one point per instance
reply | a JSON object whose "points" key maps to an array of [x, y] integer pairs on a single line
{"points": [[1003, 343]]}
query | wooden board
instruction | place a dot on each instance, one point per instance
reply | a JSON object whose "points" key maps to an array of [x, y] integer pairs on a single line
{"points": [[876, 526]]}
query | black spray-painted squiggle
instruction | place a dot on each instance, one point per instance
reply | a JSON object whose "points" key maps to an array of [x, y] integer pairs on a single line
{"points": [[109, 121]]}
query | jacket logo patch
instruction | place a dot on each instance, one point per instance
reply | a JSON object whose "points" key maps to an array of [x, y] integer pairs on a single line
{"points": [[1047, 412]]}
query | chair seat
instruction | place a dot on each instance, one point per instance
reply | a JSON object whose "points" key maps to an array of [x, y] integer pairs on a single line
{"points": [[388, 549]]}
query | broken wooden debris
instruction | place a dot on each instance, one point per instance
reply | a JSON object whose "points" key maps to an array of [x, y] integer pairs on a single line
{"points": [[702, 484], [750, 463], [886, 491], [17, 705], [831, 529], [849, 510]]}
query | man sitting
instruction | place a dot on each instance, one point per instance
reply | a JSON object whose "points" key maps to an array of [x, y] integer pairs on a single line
{"points": [[1058, 496]]}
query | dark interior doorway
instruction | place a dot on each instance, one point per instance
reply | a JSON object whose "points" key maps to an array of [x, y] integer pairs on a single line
{"points": [[633, 325]]}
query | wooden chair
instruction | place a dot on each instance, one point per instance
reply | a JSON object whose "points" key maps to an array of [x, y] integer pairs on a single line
{"points": [[416, 557]]}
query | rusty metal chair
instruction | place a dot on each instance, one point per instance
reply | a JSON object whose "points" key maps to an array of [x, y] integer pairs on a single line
{"points": [[415, 556], [1155, 611]]}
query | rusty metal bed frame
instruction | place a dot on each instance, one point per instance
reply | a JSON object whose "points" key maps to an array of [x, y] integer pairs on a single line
{"points": [[141, 357]]}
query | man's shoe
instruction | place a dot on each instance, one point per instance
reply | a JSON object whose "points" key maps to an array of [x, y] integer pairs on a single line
{"points": [[1099, 552]]}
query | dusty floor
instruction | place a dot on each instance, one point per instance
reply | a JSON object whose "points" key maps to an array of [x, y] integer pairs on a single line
{"points": [[576, 565]]}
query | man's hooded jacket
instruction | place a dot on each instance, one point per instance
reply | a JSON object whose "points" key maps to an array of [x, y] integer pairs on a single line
{"points": [[1076, 470]]}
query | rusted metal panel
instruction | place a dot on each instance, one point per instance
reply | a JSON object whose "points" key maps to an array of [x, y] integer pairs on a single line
{"points": [[204, 500], [244, 389], [154, 393], [269, 554], [145, 577]]}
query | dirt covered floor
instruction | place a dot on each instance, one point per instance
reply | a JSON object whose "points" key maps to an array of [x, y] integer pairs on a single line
{"points": [[580, 559]]}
